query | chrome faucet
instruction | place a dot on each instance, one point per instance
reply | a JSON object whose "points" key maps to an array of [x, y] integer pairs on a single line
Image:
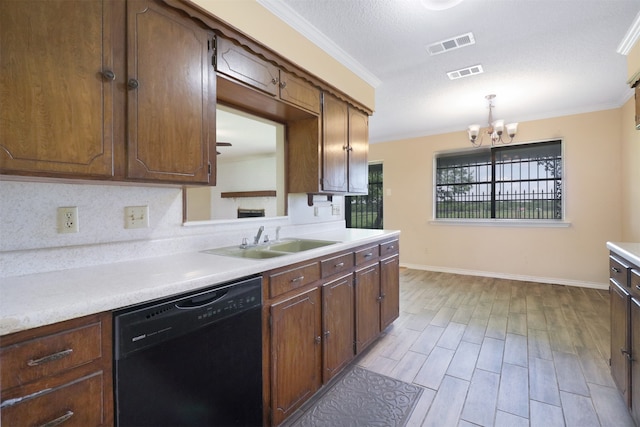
{"points": [[256, 239]]}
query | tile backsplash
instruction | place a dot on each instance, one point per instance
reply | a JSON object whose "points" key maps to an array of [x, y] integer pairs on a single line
{"points": [[30, 242]]}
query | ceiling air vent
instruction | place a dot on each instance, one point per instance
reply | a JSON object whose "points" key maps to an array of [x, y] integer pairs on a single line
{"points": [[450, 44], [465, 72]]}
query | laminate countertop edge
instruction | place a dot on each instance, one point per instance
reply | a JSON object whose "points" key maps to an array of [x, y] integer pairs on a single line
{"points": [[40, 299], [628, 250]]}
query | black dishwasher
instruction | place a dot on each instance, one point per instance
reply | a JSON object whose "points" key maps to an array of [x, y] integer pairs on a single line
{"points": [[191, 360]]}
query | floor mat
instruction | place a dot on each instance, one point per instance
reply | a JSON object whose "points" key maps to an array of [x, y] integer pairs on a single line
{"points": [[362, 398]]}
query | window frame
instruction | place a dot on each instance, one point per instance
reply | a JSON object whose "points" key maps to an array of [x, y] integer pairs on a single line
{"points": [[508, 222]]}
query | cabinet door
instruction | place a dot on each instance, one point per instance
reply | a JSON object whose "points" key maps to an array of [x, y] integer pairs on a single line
{"points": [[620, 306], [335, 136], [171, 95], [389, 291], [296, 352], [57, 106], [238, 63], [367, 305], [635, 355], [358, 151], [298, 92], [338, 325]]}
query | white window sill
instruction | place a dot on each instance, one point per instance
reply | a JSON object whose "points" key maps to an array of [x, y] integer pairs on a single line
{"points": [[524, 223]]}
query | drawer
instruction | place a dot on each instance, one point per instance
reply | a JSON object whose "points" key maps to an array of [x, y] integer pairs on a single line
{"points": [[391, 247], [635, 282], [293, 278], [336, 265], [49, 355], [74, 404], [619, 271], [366, 254]]}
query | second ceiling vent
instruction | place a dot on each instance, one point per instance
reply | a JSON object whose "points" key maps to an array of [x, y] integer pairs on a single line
{"points": [[450, 44]]}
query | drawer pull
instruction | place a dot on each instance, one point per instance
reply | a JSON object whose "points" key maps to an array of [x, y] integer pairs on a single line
{"points": [[390, 248], [58, 420], [339, 265], [297, 279], [638, 287], [615, 270], [50, 358], [369, 255]]}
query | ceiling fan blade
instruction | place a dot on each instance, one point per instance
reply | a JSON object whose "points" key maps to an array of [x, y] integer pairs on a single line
{"points": [[223, 144]]}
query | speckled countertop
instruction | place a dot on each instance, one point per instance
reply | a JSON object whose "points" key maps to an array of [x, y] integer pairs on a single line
{"points": [[627, 250], [40, 299]]}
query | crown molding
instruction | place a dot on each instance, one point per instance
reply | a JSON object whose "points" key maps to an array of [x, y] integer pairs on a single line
{"points": [[304, 27], [632, 36]]}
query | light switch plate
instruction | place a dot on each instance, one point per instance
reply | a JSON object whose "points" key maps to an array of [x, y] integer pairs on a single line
{"points": [[136, 217]]}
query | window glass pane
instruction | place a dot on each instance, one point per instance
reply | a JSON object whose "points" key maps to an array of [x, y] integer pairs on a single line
{"points": [[527, 183]]}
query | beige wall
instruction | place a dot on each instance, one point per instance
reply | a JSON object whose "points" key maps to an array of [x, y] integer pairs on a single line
{"points": [[256, 21], [630, 162], [571, 255]]}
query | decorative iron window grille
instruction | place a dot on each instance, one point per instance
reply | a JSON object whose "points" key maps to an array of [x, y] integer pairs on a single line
{"points": [[507, 182], [366, 211]]}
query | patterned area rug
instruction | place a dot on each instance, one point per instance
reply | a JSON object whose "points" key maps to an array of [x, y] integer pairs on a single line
{"points": [[362, 398]]}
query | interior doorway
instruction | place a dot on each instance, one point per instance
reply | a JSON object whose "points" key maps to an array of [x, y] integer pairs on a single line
{"points": [[366, 211]]}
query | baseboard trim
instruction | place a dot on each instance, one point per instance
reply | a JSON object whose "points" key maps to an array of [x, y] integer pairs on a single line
{"points": [[522, 278]]}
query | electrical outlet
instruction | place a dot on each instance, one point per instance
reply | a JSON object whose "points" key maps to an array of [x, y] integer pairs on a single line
{"points": [[136, 217], [335, 209], [68, 220]]}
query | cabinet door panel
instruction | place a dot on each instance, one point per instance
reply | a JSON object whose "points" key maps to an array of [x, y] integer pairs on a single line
{"points": [[620, 306], [338, 325], [298, 92], [335, 143], [367, 306], [234, 61], [57, 109], [172, 96], [635, 355], [358, 151], [390, 291], [296, 352]]}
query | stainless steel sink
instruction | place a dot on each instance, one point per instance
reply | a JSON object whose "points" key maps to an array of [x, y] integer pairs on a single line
{"points": [[276, 249], [299, 245], [254, 253]]}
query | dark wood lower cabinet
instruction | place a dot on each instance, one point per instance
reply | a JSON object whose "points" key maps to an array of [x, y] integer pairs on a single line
{"points": [[367, 305], [635, 363], [337, 321], [620, 345], [296, 352]]}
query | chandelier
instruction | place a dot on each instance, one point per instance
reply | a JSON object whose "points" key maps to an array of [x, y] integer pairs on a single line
{"points": [[494, 130]]}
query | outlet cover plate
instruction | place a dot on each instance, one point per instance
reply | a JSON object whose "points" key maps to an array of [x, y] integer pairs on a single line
{"points": [[136, 217], [67, 220]]}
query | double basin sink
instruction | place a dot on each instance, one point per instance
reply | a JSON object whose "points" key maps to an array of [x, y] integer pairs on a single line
{"points": [[272, 250]]}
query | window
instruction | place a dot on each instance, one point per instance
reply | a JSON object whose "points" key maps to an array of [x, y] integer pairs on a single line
{"points": [[366, 211], [508, 182]]}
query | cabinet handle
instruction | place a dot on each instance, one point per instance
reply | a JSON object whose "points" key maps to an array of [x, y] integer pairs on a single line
{"points": [[133, 84], [50, 358], [379, 298], [627, 354], [283, 85], [615, 270], [327, 333], [369, 255], [339, 265], [318, 339], [297, 279], [109, 75], [58, 420], [390, 248], [274, 81]]}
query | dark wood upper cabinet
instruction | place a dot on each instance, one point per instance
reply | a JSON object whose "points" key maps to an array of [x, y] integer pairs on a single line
{"points": [[358, 166], [57, 87], [335, 144], [237, 62], [171, 95]]}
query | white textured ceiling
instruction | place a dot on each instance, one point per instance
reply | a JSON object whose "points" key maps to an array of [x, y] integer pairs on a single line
{"points": [[542, 58]]}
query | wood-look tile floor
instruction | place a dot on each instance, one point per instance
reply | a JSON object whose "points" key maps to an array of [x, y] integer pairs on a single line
{"points": [[495, 352]]}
